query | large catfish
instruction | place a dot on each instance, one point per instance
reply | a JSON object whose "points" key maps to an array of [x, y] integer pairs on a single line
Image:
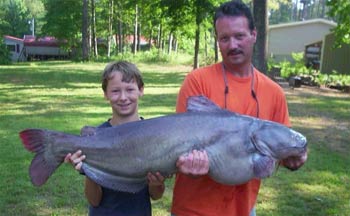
{"points": [[239, 147]]}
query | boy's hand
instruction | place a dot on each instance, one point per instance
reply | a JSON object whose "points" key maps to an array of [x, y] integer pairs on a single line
{"points": [[155, 179], [75, 159], [195, 163]]}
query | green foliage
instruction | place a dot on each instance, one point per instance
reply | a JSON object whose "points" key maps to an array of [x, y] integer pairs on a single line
{"points": [[4, 54], [340, 10], [64, 20], [298, 68], [289, 69], [14, 20], [334, 80]]}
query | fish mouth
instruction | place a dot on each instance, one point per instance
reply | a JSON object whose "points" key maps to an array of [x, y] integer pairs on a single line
{"points": [[258, 145], [280, 152]]}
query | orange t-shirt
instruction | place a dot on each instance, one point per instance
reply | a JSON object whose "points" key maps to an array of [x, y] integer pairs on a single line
{"points": [[202, 196]]}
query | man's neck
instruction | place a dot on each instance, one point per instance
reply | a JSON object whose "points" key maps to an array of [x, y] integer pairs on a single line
{"points": [[239, 70]]}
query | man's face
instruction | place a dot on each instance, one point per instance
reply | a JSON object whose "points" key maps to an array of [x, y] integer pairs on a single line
{"points": [[235, 39]]}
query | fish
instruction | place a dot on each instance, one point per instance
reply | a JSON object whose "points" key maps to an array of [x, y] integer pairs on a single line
{"points": [[239, 147]]}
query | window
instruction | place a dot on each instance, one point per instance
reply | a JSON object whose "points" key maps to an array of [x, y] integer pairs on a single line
{"points": [[11, 47]]}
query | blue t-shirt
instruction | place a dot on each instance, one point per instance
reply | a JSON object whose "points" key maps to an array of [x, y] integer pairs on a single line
{"points": [[119, 203]]}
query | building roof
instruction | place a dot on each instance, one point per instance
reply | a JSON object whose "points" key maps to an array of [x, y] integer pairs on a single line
{"points": [[13, 38], [30, 40], [305, 22], [42, 41]]}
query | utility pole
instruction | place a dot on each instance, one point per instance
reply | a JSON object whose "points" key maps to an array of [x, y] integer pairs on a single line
{"points": [[31, 23]]}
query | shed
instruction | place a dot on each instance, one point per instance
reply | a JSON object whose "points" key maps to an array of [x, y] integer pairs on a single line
{"points": [[15, 46], [337, 59], [31, 47], [284, 39]]}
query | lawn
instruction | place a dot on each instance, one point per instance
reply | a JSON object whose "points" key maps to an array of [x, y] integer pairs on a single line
{"points": [[65, 96]]}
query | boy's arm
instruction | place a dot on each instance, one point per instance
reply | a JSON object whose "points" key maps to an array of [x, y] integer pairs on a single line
{"points": [[156, 185], [93, 192]]}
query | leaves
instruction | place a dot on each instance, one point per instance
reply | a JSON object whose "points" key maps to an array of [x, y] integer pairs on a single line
{"points": [[340, 10]]}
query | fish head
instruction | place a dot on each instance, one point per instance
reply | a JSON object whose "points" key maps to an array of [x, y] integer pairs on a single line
{"points": [[278, 141]]}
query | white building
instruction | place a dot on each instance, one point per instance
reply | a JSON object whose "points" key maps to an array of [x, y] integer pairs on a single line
{"points": [[284, 39]]}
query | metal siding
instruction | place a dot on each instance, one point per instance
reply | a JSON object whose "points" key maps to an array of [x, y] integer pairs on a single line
{"points": [[335, 59]]}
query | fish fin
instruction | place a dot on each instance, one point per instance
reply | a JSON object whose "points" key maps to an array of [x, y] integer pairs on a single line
{"points": [[88, 131], [36, 140], [263, 166], [201, 104], [118, 183]]}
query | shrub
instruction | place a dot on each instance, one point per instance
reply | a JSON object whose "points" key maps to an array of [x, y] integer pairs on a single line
{"points": [[5, 58]]}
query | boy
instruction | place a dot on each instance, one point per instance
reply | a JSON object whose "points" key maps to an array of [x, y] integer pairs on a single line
{"points": [[122, 85]]}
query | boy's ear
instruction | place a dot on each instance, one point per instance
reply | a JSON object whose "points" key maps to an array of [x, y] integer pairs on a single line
{"points": [[141, 91]]}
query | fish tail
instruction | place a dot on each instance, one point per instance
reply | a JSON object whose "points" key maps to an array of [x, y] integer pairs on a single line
{"points": [[37, 141]]}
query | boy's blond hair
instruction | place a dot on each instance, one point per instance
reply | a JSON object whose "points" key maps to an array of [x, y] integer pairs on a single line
{"points": [[129, 71]]}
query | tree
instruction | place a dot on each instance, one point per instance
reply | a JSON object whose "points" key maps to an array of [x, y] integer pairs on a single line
{"points": [[36, 11], [183, 12], [14, 20], [134, 46], [64, 21], [93, 29], [85, 31], [340, 11], [110, 27], [261, 22]]}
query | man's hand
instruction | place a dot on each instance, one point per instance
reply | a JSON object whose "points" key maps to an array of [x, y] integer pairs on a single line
{"points": [[75, 159], [195, 163], [294, 163]]}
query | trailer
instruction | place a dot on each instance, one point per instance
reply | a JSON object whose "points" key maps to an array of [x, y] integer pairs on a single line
{"points": [[31, 48]]}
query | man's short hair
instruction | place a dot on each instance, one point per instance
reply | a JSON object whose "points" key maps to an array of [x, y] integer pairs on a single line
{"points": [[234, 8]]}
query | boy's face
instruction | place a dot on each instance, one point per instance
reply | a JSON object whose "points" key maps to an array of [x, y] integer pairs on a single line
{"points": [[123, 96]]}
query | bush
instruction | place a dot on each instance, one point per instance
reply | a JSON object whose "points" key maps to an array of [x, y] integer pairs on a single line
{"points": [[334, 80], [298, 68], [5, 58]]}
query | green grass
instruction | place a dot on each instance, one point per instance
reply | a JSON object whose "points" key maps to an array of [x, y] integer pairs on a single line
{"points": [[65, 96]]}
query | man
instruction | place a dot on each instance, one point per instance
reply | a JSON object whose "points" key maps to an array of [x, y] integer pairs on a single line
{"points": [[233, 84]]}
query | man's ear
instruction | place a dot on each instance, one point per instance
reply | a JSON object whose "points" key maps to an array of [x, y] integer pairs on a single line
{"points": [[105, 95], [254, 34]]}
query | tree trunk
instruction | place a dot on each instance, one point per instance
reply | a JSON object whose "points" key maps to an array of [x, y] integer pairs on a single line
{"points": [[176, 45], [135, 31], [110, 27], [139, 37], [206, 44], [85, 31], [93, 29], [197, 35], [323, 8], [170, 42], [159, 36], [196, 47], [120, 38], [216, 49], [150, 39], [261, 22]]}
